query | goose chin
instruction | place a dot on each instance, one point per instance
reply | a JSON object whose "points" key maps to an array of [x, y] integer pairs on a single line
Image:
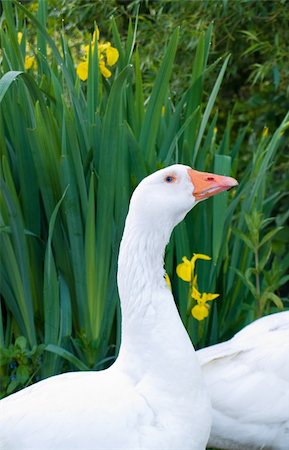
{"points": [[210, 192]]}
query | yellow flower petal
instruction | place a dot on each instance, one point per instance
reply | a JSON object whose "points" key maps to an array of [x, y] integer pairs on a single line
{"points": [[100, 55], [184, 269], [167, 278], [102, 46], [196, 294], [200, 256], [104, 70], [208, 297], [19, 37], [29, 62], [82, 70], [106, 55], [86, 49], [200, 312], [112, 55], [197, 256]]}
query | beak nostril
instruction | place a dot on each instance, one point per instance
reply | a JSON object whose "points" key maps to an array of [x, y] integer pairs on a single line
{"points": [[210, 179]]}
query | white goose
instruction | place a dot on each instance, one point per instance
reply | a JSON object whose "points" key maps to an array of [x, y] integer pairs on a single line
{"points": [[248, 382], [153, 396]]}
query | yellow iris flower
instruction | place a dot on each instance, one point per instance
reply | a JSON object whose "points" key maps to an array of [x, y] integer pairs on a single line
{"points": [[186, 271], [29, 61], [107, 56], [19, 37], [201, 310]]}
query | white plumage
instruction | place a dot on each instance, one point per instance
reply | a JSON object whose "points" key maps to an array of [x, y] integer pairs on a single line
{"points": [[153, 396], [248, 382]]}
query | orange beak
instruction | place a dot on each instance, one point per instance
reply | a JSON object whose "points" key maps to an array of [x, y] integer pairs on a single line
{"points": [[209, 184]]}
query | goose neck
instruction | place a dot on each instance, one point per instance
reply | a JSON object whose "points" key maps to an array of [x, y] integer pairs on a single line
{"points": [[141, 262], [152, 331]]}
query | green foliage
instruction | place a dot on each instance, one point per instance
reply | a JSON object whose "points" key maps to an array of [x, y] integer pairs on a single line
{"points": [[265, 282], [254, 33], [19, 365], [71, 154]]}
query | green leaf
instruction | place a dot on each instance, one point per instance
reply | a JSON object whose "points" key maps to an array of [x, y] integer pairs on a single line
{"points": [[270, 235], [139, 95], [244, 238], [209, 108], [153, 113], [90, 260], [246, 281], [93, 84], [21, 342], [55, 349], [264, 257], [12, 386], [65, 329], [222, 166], [1, 331], [6, 81], [51, 285], [22, 374], [267, 296]]}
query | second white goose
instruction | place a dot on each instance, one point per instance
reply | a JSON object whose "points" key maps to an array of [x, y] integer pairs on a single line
{"points": [[248, 382]]}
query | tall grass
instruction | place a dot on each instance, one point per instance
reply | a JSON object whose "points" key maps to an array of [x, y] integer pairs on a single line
{"points": [[71, 154]]}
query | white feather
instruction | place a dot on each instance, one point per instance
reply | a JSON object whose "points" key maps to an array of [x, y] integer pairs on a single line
{"points": [[248, 382]]}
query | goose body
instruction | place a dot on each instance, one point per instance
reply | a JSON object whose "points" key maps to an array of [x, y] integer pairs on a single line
{"points": [[153, 396], [248, 382]]}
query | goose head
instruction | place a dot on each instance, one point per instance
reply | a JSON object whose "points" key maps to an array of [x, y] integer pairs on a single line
{"points": [[166, 196]]}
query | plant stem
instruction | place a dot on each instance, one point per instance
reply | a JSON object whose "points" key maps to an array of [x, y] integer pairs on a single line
{"points": [[189, 305], [257, 278]]}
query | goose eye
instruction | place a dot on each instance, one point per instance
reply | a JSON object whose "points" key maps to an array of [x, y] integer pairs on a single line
{"points": [[170, 179]]}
